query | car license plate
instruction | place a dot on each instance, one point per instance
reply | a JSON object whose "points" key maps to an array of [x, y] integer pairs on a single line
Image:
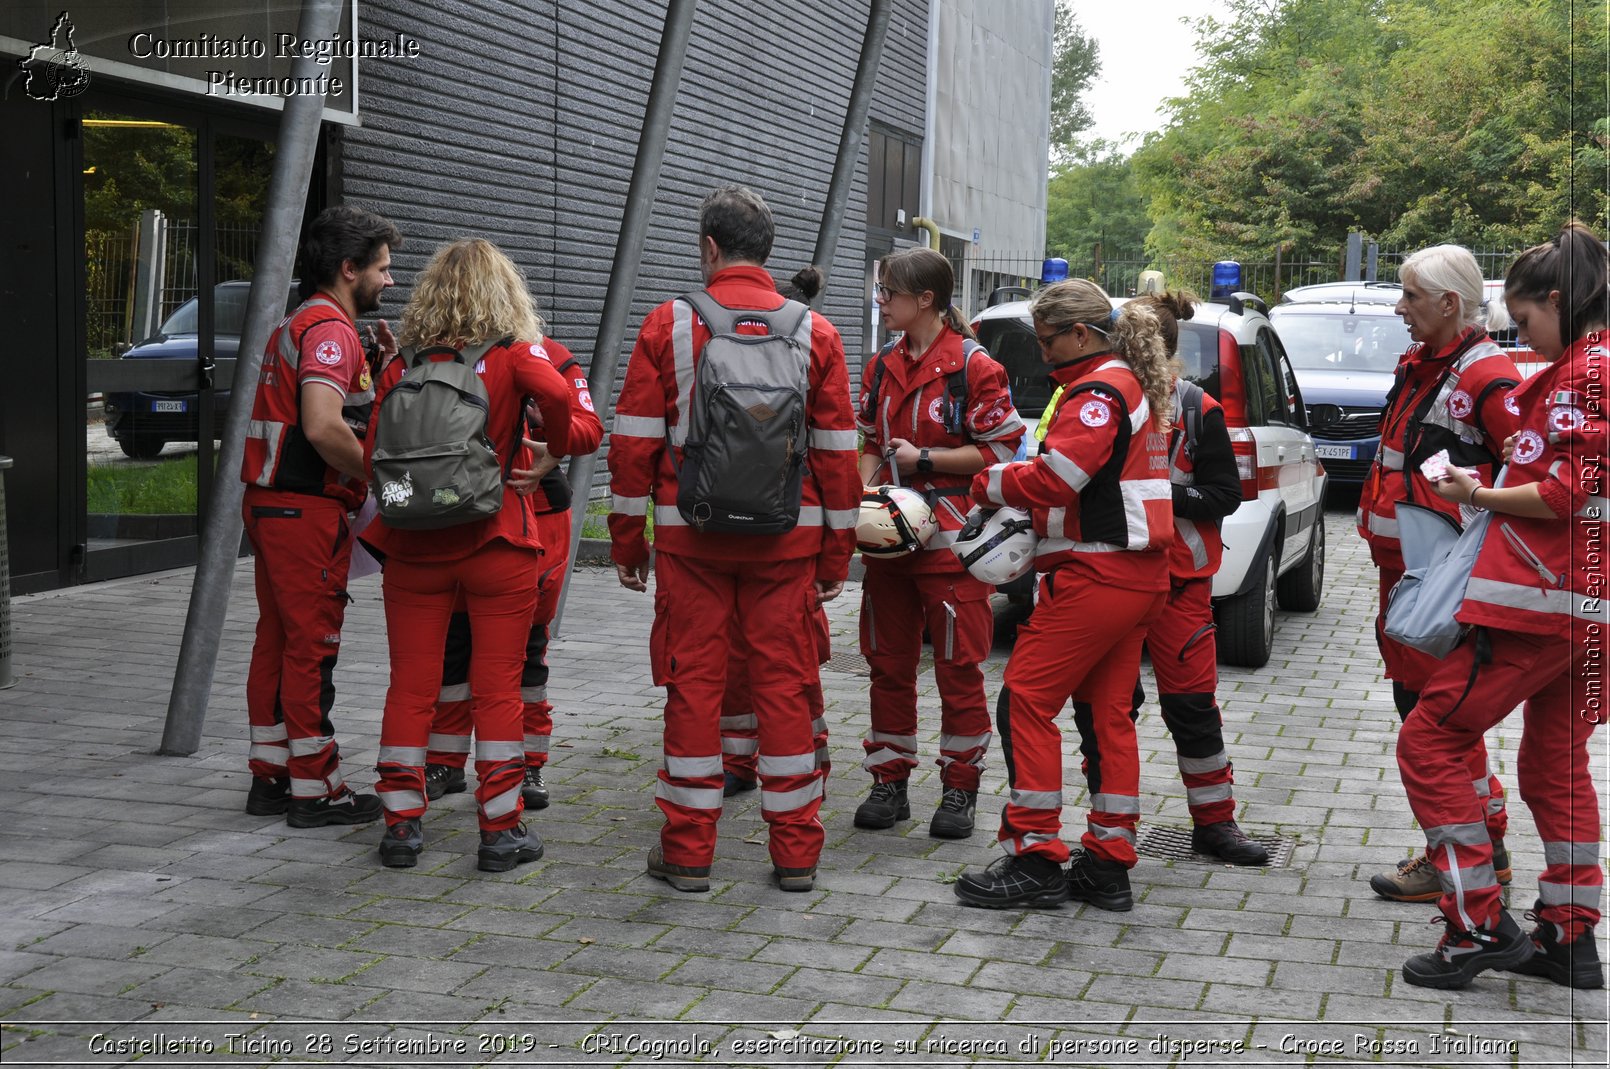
{"points": [[1334, 452], [167, 406]]}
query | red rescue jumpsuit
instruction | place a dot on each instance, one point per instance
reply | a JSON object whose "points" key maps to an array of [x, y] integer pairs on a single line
{"points": [[1454, 400], [1206, 488], [494, 562], [930, 588], [740, 732], [706, 583], [450, 730], [1535, 599], [296, 512], [1100, 498]]}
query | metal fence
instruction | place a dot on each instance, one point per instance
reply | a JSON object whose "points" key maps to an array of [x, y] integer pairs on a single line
{"points": [[109, 268]]}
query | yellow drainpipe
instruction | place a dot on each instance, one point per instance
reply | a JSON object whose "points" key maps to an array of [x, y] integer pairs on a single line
{"points": [[929, 225]]}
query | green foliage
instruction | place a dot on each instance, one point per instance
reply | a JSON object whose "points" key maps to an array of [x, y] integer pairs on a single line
{"points": [[1416, 121], [1094, 199], [166, 488], [1075, 62]]}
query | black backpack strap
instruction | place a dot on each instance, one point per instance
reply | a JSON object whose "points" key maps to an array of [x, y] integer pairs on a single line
{"points": [[956, 389], [1190, 416], [869, 409], [783, 321]]}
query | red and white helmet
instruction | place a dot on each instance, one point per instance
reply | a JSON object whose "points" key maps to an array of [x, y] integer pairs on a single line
{"points": [[996, 547], [894, 521]]}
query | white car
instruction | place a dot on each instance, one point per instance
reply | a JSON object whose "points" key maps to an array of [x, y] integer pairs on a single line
{"points": [[1274, 544]]}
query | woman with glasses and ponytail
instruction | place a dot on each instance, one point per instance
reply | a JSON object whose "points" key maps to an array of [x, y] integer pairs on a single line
{"points": [[1101, 501], [934, 410], [1535, 607]]}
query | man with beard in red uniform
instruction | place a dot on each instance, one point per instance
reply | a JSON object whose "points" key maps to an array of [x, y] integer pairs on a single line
{"points": [[770, 584], [304, 475]]}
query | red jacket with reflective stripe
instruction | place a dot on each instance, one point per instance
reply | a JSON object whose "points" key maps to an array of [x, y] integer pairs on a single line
{"points": [[1109, 517], [317, 343], [1473, 406], [1546, 577], [912, 403], [511, 374], [651, 403], [553, 492]]}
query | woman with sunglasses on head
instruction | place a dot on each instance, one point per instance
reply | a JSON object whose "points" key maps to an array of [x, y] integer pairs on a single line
{"points": [[1534, 603], [934, 409], [1100, 498]]}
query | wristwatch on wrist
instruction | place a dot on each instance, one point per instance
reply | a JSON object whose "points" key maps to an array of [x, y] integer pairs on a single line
{"points": [[924, 462]]}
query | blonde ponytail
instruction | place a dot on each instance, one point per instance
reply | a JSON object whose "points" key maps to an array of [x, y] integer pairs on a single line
{"points": [[1140, 340], [958, 322]]}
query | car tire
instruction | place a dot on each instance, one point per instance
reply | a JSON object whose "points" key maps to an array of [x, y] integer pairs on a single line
{"points": [[141, 446], [1300, 589], [1246, 622]]}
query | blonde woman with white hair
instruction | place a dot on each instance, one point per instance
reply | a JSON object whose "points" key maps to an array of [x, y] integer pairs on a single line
{"points": [[1451, 392]]}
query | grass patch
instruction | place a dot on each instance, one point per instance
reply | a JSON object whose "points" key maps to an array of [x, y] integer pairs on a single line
{"points": [[165, 488], [596, 522]]}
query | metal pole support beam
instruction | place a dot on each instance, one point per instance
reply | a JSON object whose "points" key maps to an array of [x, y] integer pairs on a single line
{"points": [[629, 251], [220, 540]]}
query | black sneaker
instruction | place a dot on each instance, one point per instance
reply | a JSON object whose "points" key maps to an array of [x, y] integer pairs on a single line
{"points": [[682, 877], [886, 804], [400, 846], [954, 817], [502, 850], [1012, 882], [268, 797], [732, 785], [533, 790], [1226, 841], [1575, 964], [443, 779], [345, 808], [1104, 884], [1461, 955]]}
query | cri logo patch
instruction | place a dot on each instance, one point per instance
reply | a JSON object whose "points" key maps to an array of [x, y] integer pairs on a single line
{"points": [[1460, 406], [1095, 414], [1528, 447], [328, 353]]}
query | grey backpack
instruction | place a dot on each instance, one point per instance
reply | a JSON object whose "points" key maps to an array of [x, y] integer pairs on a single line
{"points": [[1438, 558], [433, 464], [743, 462]]}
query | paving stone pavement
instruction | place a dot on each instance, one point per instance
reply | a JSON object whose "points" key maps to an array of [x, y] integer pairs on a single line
{"points": [[145, 918]]}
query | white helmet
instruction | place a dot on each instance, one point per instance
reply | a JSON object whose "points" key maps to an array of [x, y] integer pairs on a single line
{"points": [[996, 547], [894, 521]]}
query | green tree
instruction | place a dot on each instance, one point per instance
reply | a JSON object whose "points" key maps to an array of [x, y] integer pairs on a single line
{"points": [[1075, 62], [1095, 199]]}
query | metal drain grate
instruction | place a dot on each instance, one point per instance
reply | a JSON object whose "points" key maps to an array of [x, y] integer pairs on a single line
{"points": [[1168, 843], [850, 662]]}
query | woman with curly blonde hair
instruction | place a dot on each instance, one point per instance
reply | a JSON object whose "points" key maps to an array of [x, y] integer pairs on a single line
{"points": [[469, 304], [1099, 495]]}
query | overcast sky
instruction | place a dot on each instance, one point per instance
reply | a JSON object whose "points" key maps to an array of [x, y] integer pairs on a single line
{"points": [[1145, 52]]}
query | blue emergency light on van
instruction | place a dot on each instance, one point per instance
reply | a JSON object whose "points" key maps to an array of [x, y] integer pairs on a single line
{"points": [[1226, 279], [1055, 269]]}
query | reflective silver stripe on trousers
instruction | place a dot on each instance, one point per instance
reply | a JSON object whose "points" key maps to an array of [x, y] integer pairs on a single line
{"points": [[454, 692], [500, 750], [449, 743], [1470, 879], [638, 426], [965, 742], [787, 801], [270, 433], [531, 695], [682, 353], [270, 733], [690, 767], [1533, 599], [309, 746], [1456, 834], [1218, 792], [739, 747], [744, 721], [1570, 853], [688, 797], [267, 752], [787, 765], [1201, 766], [318, 788], [1568, 894], [501, 805], [1120, 804], [536, 744], [400, 801], [1030, 839], [1035, 799], [1102, 831], [840, 440], [412, 756], [629, 506], [874, 758]]}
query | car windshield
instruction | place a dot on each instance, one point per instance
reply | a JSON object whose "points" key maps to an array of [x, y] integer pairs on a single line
{"points": [[1342, 341], [229, 311]]}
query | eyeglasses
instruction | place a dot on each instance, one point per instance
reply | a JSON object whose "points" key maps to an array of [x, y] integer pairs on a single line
{"points": [[1047, 339], [884, 293]]}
